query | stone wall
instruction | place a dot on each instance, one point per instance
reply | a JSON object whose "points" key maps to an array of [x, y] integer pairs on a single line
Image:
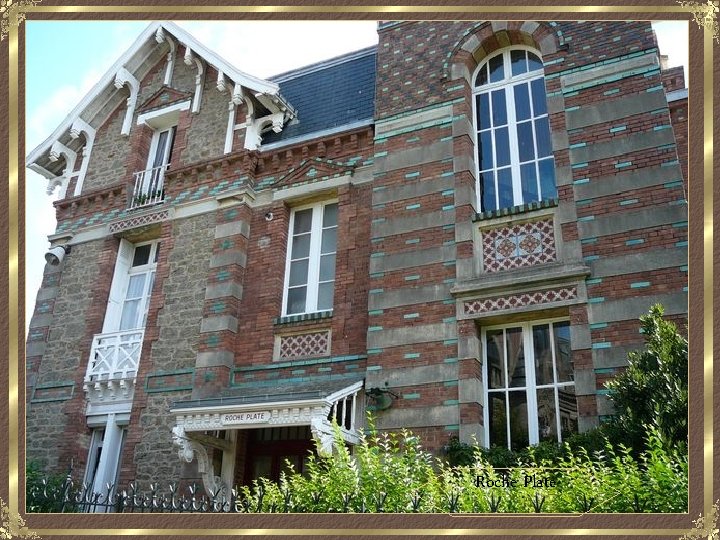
{"points": [[204, 139], [57, 389]]}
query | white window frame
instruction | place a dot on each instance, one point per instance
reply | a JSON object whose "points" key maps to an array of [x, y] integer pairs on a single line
{"points": [[311, 298], [121, 282], [508, 82], [154, 146], [530, 389]]}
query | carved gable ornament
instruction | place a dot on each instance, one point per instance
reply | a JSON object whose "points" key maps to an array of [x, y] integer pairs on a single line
{"points": [[165, 96], [313, 170]]}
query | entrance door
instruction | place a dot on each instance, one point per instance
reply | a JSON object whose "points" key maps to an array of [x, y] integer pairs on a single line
{"points": [[271, 451]]}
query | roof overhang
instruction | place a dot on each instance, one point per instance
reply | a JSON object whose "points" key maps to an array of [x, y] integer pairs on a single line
{"points": [[103, 98]]}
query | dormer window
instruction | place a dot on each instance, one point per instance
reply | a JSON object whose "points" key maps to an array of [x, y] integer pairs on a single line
{"points": [[149, 187]]}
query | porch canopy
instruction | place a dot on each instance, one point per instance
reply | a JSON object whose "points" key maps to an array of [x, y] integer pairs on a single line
{"points": [[311, 403]]}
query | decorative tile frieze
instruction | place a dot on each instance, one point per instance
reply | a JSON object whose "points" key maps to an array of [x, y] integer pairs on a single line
{"points": [[311, 344], [518, 245], [518, 300], [139, 221]]}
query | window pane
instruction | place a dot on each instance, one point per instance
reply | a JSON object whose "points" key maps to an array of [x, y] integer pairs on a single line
{"points": [[542, 130], [487, 184], [129, 315], [534, 62], [327, 267], [497, 73], [522, 102], [528, 181], [547, 178], [485, 151], [160, 150], [157, 252], [543, 354], [142, 255], [298, 272], [482, 106], [136, 286], [330, 215], [519, 65], [505, 188], [325, 295], [303, 221], [482, 77], [499, 108], [300, 246], [515, 357], [568, 410], [329, 240], [563, 355], [497, 418], [538, 97], [495, 359], [547, 414], [525, 141], [518, 420], [296, 300], [502, 147]]}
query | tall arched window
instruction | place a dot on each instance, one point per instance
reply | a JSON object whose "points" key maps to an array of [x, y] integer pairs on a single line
{"points": [[514, 152]]}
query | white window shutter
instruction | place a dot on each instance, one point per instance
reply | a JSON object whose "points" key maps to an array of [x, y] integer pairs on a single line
{"points": [[118, 289]]}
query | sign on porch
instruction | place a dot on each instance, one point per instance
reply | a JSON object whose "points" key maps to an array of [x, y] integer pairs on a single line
{"points": [[254, 417]]}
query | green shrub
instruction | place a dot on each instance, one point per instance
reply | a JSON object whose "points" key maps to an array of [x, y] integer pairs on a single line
{"points": [[390, 472], [653, 390]]}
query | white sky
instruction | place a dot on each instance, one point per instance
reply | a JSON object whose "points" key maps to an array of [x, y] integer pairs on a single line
{"points": [[65, 59]]}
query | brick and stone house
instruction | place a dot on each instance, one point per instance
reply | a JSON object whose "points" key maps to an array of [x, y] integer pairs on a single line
{"points": [[457, 229]]}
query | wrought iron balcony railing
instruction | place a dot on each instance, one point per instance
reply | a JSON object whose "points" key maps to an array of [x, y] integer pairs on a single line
{"points": [[149, 188]]}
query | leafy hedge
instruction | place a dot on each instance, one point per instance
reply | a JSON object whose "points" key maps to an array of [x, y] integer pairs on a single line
{"points": [[392, 473]]}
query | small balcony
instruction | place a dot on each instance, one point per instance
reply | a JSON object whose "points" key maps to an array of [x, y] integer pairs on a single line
{"points": [[113, 365], [148, 189]]}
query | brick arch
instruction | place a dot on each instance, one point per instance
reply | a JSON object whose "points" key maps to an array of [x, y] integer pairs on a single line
{"points": [[485, 37]]}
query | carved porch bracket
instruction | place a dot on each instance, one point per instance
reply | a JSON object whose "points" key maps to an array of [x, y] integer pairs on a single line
{"points": [[122, 78], [58, 150], [160, 37], [79, 127], [189, 58]]}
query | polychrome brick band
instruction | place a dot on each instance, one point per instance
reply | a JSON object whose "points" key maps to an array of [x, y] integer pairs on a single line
{"points": [[518, 300]]}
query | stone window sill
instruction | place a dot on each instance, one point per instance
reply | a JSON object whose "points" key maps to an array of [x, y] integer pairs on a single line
{"points": [[515, 210], [302, 317]]}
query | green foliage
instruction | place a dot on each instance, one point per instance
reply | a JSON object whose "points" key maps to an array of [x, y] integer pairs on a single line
{"points": [[390, 472], [38, 487], [653, 390]]}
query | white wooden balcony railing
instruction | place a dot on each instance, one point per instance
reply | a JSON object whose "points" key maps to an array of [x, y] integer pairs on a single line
{"points": [[149, 187], [113, 365]]}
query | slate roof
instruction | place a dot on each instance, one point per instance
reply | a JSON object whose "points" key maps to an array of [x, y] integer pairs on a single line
{"points": [[328, 94]]}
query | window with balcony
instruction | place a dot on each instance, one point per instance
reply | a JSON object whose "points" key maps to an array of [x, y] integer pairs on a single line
{"points": [[149, 187], [115, 353], [515, 163], [529, 384], [310, 265]]}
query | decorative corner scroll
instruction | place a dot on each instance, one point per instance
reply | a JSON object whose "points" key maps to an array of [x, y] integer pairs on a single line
{"points": [[705, 526], [705, 15], [13, 13], [12, 525]]}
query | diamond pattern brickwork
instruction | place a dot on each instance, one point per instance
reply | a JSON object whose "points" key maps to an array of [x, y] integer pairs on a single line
{"points": [[138, 221], [518, 300], [518, 245], [312, 344]]}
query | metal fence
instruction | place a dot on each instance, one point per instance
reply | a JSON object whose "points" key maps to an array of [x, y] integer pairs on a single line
{"points": [[68, 497]]}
